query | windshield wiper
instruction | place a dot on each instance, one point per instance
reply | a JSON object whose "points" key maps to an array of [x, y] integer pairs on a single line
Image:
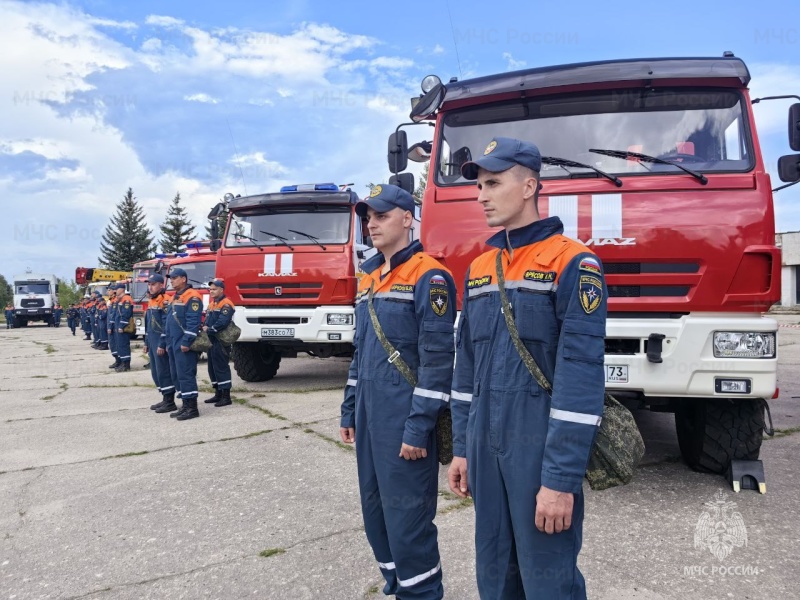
{"points": [[247, 237], [653, 159], [311, 237], [565, 162], [283, 240]]}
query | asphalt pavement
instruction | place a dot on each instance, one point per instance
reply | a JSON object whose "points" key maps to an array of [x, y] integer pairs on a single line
{"points": [[102, 498]]}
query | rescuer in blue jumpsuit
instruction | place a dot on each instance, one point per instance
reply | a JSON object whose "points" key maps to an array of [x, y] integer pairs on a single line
{"points": [[218, 317], [123, 340], [155, 334], [112, 325], [392, 421], [520, 453], [87, 317], [57, 312], [102, 324], [182, 323], [95, 323], [9, 316], [72, 318]]}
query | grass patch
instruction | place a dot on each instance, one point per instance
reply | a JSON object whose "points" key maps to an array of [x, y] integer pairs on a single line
{"points": [[267, 412], [127, 454], [48, 398], [49, 349], [38, 376], [373, 591], [779, 433], [462, 503], [271, 552], [329, 439], [259, 395]]}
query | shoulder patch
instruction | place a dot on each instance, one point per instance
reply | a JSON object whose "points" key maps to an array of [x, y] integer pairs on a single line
{"points": [[590, 292], [439, 300], [592, 265], [545, 276], [195, 304], [479, 282], [401, 287], [438, 280]]}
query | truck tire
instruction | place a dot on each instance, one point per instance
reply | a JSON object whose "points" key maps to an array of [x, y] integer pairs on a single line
{"points": [[711, 433], [20, 322], [255, 362]]}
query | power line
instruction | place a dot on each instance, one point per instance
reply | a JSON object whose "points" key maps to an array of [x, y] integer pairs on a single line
{"points": [[455, 41]]}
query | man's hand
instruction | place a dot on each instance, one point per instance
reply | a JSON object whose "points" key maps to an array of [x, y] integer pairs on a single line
{"points": [[119, 330], [161, 351], [457, 477], [412, 452], [553, 510], [205, 328], [184, 348], [348, 434]]}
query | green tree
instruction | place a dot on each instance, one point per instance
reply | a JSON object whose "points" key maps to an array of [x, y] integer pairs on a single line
{"points": [[6, 293], [176, 228], [127, 239], [68, 292], [423, 181]]}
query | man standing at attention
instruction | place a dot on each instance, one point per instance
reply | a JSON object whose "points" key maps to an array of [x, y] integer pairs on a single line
{"points": [[521, 453], [156, 339], [398, 382], [181, 324], [218, 317]]}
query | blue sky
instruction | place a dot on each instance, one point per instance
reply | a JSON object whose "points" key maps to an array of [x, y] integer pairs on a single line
{"points": [[97, 96]]}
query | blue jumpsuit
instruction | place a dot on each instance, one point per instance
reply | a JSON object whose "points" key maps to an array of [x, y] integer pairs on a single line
{"points": [[57, 316], [102, 323], [182, 322], [9, 318], [72, 317], [219, 315], [157, 338], [112, 328], [123, 340], [514, 436], [94, 322], [87, 319], [415, 304]]}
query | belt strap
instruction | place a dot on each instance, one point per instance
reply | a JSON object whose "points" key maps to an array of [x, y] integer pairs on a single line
{"points": [[394, 354]]}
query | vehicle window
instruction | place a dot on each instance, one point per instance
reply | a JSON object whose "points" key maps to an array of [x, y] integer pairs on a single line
{"points": [[295, 225], [701, 129], [32, 288], [197, 273]]}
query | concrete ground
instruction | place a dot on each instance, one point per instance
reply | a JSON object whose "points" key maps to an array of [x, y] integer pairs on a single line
{"points": [[102, 498]]}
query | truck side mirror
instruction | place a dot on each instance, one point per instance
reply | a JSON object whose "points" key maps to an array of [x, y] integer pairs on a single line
{"points": [[397, 154], [794, 127], [404, 181], [159, 268], [216, 211], [789, 167]]}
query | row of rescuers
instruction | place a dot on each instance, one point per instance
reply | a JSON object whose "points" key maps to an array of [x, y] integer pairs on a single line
{"points": [[519, 452], [171, 327]]}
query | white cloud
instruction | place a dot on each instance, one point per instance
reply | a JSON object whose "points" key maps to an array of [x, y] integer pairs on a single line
{"points": [[163, 21], [437, 49], [201, 97], [151, 45], [511, 63], [100, 22]]}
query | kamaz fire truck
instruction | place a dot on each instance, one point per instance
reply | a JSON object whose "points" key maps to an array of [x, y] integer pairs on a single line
{"points": [[199, 262], [655, 165], [290, 262]]}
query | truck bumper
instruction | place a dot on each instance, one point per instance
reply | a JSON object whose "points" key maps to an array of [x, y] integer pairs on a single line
{"points": [[689, 368], [290, 326]]}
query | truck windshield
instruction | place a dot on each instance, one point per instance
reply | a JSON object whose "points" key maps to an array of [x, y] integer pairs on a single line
{"points": [[703, 129], [139, 285], [298, 225], [197, 273], [32, 288]]}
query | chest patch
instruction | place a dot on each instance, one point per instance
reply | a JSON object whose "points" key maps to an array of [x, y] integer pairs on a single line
{"points": [[546, 276], [479, 282]]}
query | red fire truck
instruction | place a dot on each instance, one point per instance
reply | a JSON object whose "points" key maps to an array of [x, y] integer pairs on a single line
{"points": [[290, 262], [199, 262], [656, 166]]}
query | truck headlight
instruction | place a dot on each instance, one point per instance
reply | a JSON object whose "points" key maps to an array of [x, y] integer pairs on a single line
{"points": [[740, 344], [340, 319], [138, 322]]}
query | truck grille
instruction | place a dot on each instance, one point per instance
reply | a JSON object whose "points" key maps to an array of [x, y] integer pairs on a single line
{"points": [[32, 302], [636, 268], [647, 291], [288, 291]]}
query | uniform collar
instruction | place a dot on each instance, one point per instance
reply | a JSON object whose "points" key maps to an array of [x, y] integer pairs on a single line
{"points": [[529, 234], [398, 259]]}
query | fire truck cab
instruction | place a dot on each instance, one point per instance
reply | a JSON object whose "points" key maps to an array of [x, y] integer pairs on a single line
{"points": [[290, 261], [655, 165]]}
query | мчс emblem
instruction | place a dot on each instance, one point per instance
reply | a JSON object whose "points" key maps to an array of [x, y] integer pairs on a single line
{"points": [[376, 189], [720, 528], [492, 145], [439, 300], [590, 293]]}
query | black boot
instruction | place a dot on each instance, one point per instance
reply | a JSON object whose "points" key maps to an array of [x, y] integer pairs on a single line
{"points": [[117, 362], [125, 366], [175, 415], [190, 411], [217, 397], [226, 398], [167, 404]]}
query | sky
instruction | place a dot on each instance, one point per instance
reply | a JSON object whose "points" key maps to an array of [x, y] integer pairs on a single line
{"points": [[205, 98]]}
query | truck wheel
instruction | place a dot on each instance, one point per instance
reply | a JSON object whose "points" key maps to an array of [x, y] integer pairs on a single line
{"points": [[711, 433], [255, 362], [20, 322]]}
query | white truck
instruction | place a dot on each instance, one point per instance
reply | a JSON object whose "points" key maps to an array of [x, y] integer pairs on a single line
{"points": [[34, 298]]}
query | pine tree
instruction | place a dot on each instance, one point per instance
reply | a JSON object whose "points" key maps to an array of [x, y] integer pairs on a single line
{"points": [[127, 239], [176, 228], [423, 182]]}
